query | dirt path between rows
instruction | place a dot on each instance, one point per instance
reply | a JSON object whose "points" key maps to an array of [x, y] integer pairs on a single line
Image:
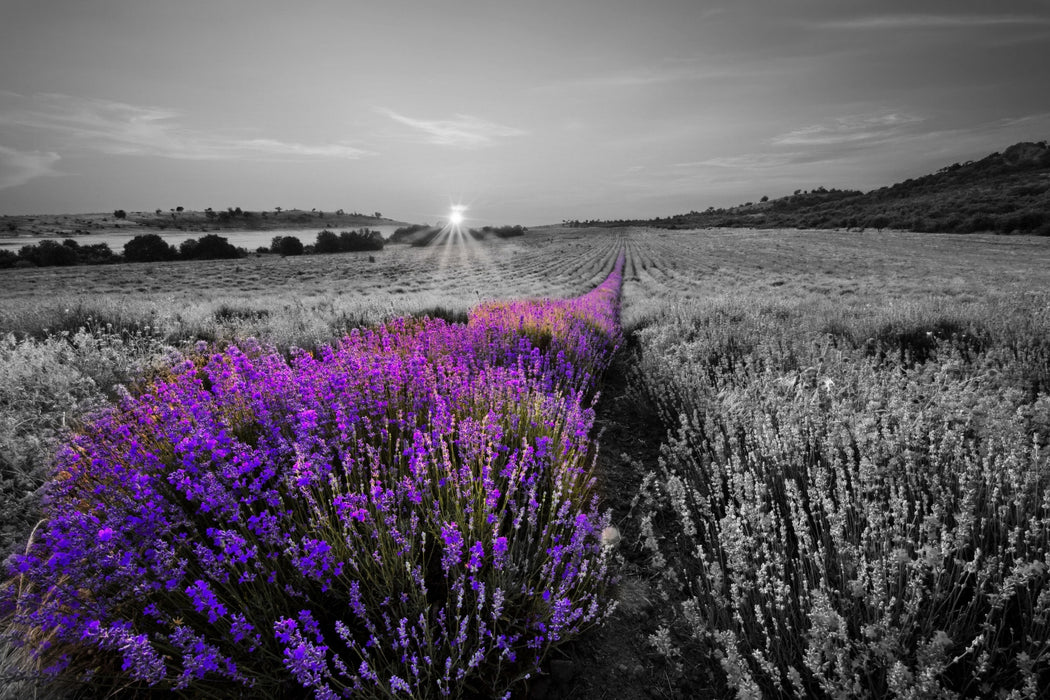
{"points": [[616, 661]]}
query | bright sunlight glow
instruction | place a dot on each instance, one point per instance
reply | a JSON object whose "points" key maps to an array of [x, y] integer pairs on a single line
{"points": [[455, 217]]}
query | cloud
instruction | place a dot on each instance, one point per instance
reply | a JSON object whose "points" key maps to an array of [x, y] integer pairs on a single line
{"points": [[670, 71], [124, 129], [464, 131], [853, 129], [927, 21], [19, 167], [743, 161]]}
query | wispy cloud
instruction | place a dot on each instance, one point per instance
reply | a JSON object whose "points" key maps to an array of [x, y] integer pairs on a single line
{"points": [[641, 77], [930, 21], [463, 131], [853, 129], [19, 167], [685, 70], [743, 161], [125, 129]]}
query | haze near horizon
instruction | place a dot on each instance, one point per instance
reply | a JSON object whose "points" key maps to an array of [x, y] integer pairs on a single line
{"points": [[524, 113]]}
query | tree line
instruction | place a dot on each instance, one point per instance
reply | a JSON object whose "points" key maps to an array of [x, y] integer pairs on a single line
{"points": [[151, 247]]}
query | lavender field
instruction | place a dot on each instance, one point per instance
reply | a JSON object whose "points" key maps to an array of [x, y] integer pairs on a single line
{"points": [[325, 487]]}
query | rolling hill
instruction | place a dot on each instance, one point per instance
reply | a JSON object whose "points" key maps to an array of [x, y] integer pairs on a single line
{"points": [[1006, 192]]}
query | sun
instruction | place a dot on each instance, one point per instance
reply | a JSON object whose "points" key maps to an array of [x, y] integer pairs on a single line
{"points": [[455, 217]]}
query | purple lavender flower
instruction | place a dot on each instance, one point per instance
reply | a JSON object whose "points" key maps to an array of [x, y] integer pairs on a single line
{"points": [[392, 507]]}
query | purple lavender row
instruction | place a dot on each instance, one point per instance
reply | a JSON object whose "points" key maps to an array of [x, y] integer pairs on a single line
{"points": [[412, 511]]}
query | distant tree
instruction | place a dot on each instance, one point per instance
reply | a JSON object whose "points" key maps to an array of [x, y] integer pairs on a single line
{"points": [[286, 245], [878, 222], [504, 231], [210, 247], [765, 198], [179, 209], [277, 210], [378, 215], [188, 249], [50, 254], [363, 239], [327, 242], [120, 214], [97, 254], [7, 258], [159, 211], [148, 247]]}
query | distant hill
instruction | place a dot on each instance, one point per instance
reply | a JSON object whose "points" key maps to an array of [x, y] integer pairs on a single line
{"points": [[234, 218], [180, 219], [1006, 192]]}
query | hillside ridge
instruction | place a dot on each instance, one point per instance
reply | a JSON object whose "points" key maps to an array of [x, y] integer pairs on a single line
{"points": [[1007, 192]]}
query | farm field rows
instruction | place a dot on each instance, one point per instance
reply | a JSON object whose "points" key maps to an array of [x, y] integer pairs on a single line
{"points": [[828, 404], [854, 270], [851, 497]]}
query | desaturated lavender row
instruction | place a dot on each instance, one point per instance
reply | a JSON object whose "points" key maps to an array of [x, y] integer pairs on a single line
{"points": [[853, 515], [409, 512]]}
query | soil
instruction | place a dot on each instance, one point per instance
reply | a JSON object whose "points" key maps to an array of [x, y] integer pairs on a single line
{"points": [[616, 659]]}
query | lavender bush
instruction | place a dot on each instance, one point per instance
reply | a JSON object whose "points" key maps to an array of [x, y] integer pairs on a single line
{"points": [[852, 518], [409, 512]]}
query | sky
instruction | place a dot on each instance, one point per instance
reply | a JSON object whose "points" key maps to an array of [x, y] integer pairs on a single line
{"points": [[524, 112]]}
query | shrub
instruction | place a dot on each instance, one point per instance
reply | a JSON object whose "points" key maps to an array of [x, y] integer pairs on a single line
{"points": [[96, 254], [46, 384], [286, 245], [834, 522], [327, 242], [363, 239], [412, 510], [50, 253], [209, 247], [148, 247]]}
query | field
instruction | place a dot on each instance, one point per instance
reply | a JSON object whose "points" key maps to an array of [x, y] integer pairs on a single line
{"points": [[825, 453]]}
